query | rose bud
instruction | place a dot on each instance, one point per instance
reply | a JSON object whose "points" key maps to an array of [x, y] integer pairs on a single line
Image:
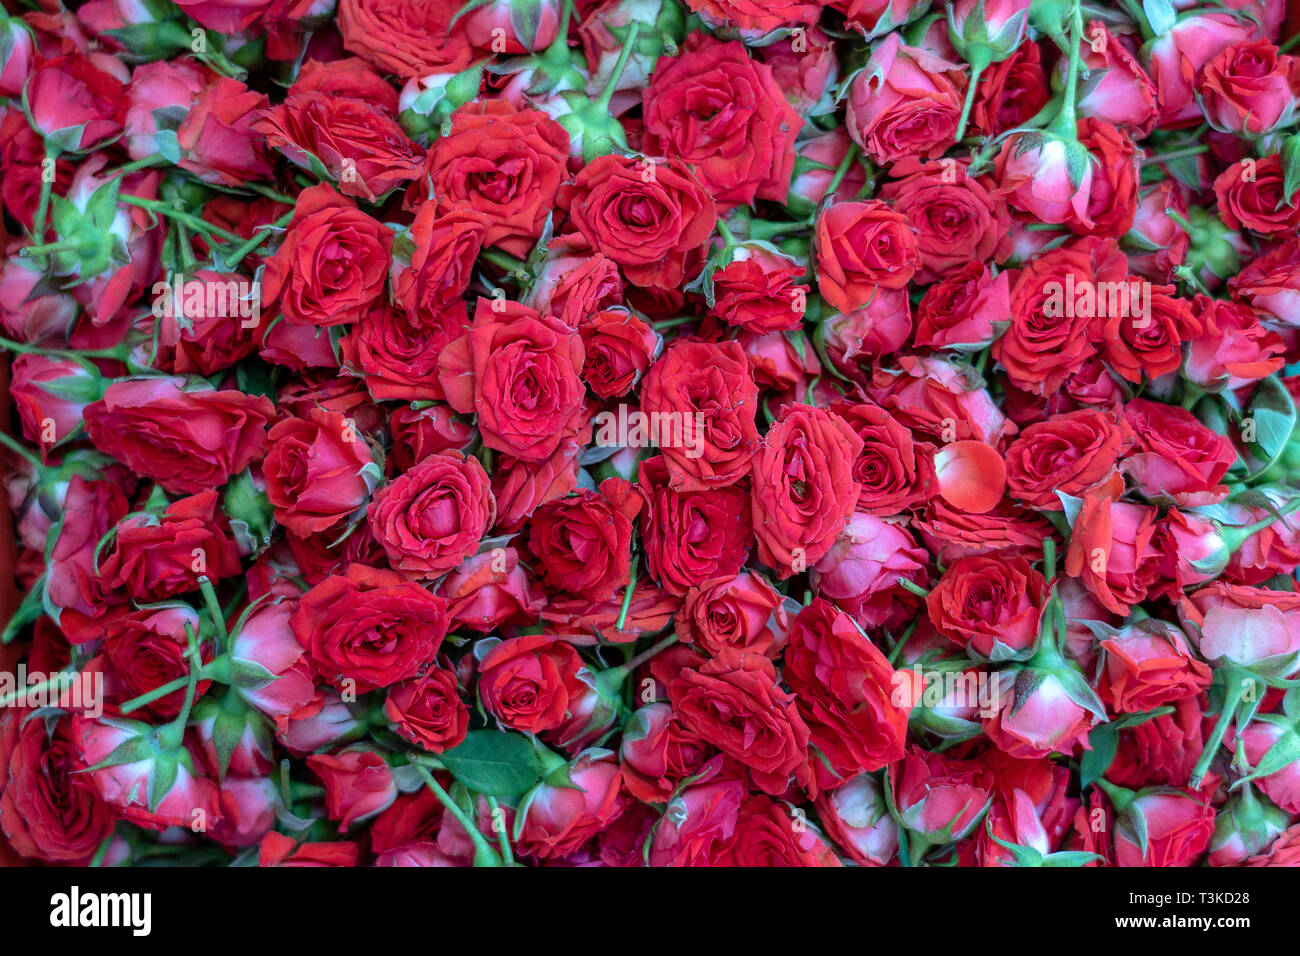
{"points": [[1246, 826], [428, 711], [232, 738], [76, 101], [248, 811], [319, 472], [148, 648], [1124, 94], [327, 722], [16, 40], [276, 849], [215, 138], [856, 817], [862, 570], [1050, 176], [491, 589], [1193, 551], [697, 824], [155, 556], [559, 818], [1157, 243], [1158, 826], [150, 778], [1233, 349], [512, 26], [51, 395], [262, 641], [990, 605], [47, 811], [620, 349], [575, 283], [756, 289], [658, 754], [1267, 743], [907, 102], [358, 784], [1111, 551], [428, 102], [1244, 627], [1177, 56], [742, 611], [939, 800], [188, 441], [1147, 664], [1250, 89], [984, 33]]}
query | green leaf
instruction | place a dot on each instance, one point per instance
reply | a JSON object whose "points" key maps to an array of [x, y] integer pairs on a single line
{"points": [[168, 145], [1104, 741], [1290, 168], [490, 761]]}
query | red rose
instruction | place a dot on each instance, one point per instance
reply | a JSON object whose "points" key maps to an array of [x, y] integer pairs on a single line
{"points": [[187, 441], [769, 834], [959, 310], [368, 628], [1233, 349], [733, 701], [649, 217], [754, 19], [398, 353], [844, 688], [1122, 94], [358, 784], [148, 649], [331, 267], [804, 487], [862, 570], [1069, 453], [49, 391], [958, 219], [319, 472], [406, 38], [658, 754], [532, 684], [519, 373], [156, 556], [582, 542], [431, 273], [1271, 283], [862, 246], [1175, 457], [1251, 197], [741, 611], [1250, 89], [420, 432], [892, 471], [1113, 192], [79, 100], [429, 519], [276, 849], [941, 799], [698, 822], [1011, 92], [1148, 664], [989, 604], [619, 349], [905, 104], [1111, 551], [722, 112], [216, 138], [562, 817], [575, 283], [1175, 830], [757, 291], [490, 589], [857, 340], [1176, 57], [1038, 714], [691, 536], [428, 711], [707, 388], [72, 583], [504, 164], [362, 148], [951, 533], [47, 811]]}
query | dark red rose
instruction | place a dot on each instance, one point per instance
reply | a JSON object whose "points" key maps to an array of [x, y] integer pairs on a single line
{"points": [[990, 604], [187, 441], [331, 267], [406, 38], [741, 611], [691, 536], [1068, 453], [319, 472], [1250, 197], [149, 648], [429, 519], [155, 556], [619, 349], [368, 628], [723, 113], [428, 711], [893, 472], [532, 684], [582, 542]]}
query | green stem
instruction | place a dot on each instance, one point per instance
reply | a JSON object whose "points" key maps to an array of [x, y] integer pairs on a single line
{"points": [[1121, 798], [979, 61], [908, 585], [673, 323], [627, 593], [22, 692], [841, 171], [601, 103], [62, 245], [503, 259], [194, 222], [498, 819], [484, 855], [1236, 537], [214, 610], [1067, 124], [270, 193], [645, 655], [1285, 47], [263, 233], [135, 703], [156, 159], [21, 450], [1175, 154], [1234, 686]]}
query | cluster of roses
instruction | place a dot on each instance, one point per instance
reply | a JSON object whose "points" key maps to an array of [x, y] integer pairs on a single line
{"points": [[976, 317]]}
